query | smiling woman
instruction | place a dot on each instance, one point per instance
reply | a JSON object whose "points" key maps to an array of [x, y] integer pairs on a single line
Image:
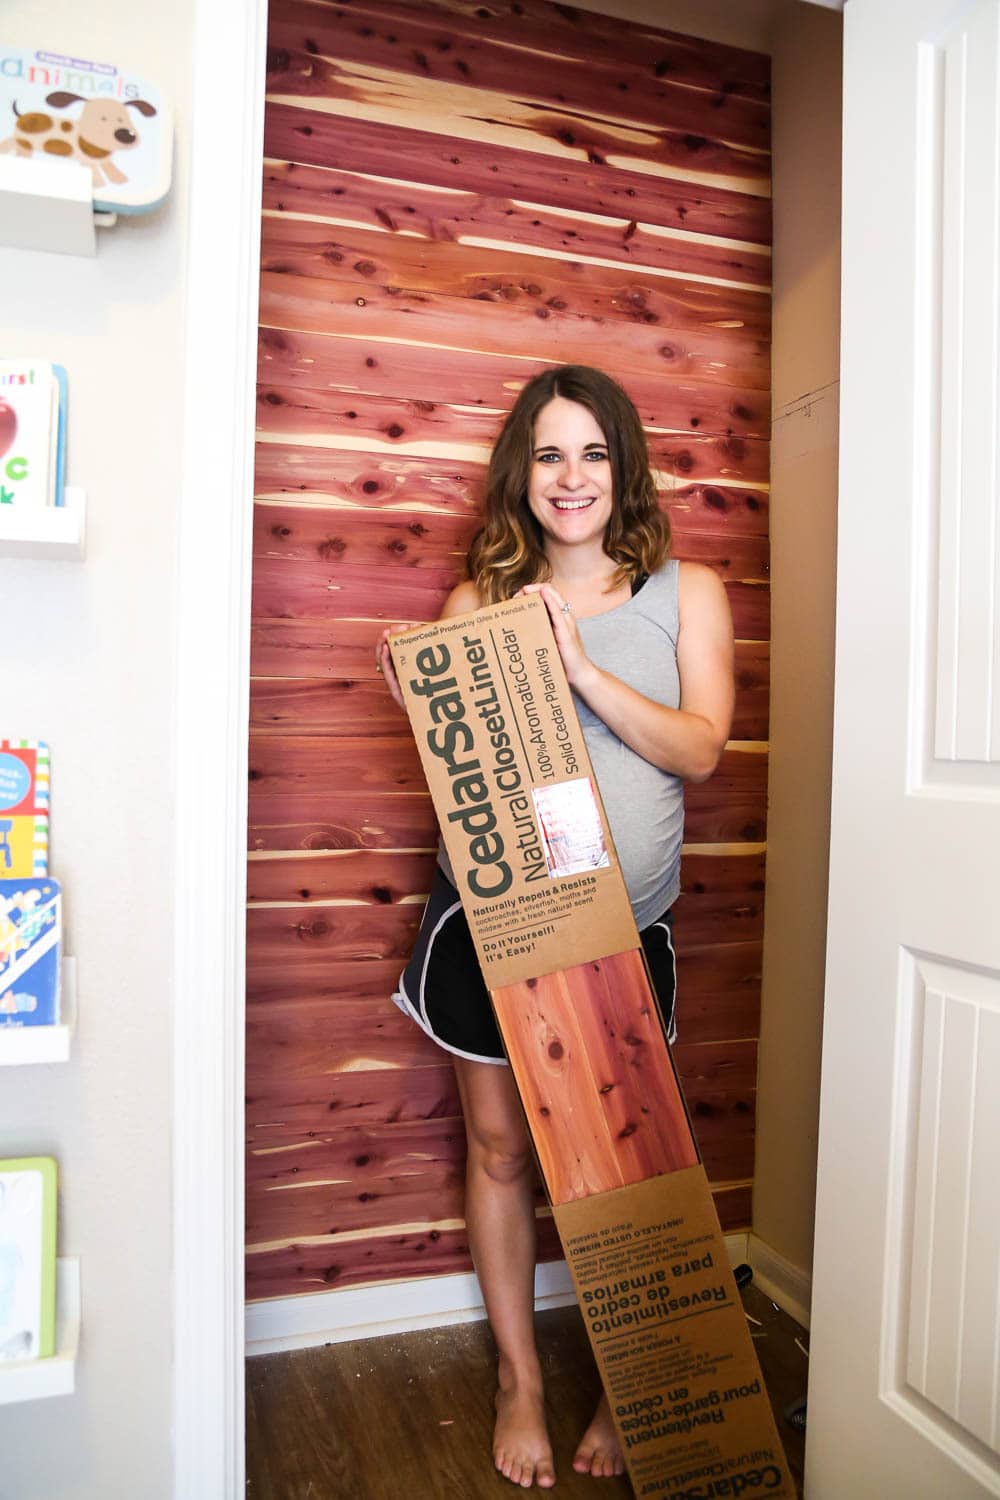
{"points": [[646, 644]]}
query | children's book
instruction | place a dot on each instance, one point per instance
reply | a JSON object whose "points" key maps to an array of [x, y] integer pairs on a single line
{"points": [[33, 395], [27, 1257], [117, 126], [30, 944], [24, 809]]}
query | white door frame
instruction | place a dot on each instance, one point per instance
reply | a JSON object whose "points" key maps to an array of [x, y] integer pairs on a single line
{"points": [[212, 717], [212, 714]]}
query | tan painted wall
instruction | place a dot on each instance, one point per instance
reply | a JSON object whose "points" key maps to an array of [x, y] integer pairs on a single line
{"points": [[807, 112]]}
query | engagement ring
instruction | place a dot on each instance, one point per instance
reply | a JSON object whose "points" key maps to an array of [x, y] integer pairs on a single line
{"points": [[566, 608]]}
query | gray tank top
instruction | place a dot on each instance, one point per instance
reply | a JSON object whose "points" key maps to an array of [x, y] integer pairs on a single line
{"points": [[636, 642]]}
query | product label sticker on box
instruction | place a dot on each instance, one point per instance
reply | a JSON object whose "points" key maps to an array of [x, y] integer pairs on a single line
{"points": [[519, 810]]}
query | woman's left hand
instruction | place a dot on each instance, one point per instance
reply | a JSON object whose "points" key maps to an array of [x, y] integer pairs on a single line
{"points": [[576, 662]]}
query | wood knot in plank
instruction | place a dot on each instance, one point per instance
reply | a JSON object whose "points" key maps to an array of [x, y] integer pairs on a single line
{"points": [[626, 1131], [556, 1050]]}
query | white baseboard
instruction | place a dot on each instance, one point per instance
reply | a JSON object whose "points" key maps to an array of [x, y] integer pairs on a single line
{"points": [[277, 1324], [783, 1282]]}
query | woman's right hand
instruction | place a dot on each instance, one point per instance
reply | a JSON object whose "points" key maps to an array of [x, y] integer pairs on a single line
{"points": [[383, 660]]}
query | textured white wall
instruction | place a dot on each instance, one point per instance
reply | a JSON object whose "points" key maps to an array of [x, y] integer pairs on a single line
{"points": [[86, 663]]}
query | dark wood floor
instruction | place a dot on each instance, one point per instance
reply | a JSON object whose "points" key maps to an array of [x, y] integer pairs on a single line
{"points": [[411, 1415]]}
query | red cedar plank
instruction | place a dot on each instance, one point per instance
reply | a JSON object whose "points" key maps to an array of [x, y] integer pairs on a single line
{"points": [[345, 649], [593, 1073], [391, 1256], [751, 718], [565, 31], [298, 1269], [706, 974], [308, 305], [295, 763], [716, 890], [375, 1154], [358, 979], [344, 1207], [426, 47], [625, 196], [448, 111], [283, 936], [323, 705], [723, 1064], [635, 248], [399, 370], [308, 765], [316, 1102], [718, 997], [729, 1159], [371, 1096], [339, 820], [374, 479], [524, 228], [714, 887], [344, 705], [734, 1206], [392, 594], [293, 411], [347, 92], [327, 1036], [430, 1196], [321, 1036], [395, 479], [398, 594], [447, 485], [734, 797], [370, 1153], [367, 876], [417, 539]]}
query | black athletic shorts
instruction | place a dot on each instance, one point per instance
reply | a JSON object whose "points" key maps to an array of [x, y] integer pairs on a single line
{"points": [[442, 986]]}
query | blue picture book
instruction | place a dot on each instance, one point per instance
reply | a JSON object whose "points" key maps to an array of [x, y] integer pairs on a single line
{"points": [[30, 944]]}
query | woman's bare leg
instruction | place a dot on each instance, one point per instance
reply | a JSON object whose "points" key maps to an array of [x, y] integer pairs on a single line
{"points": [[500, 1216]]}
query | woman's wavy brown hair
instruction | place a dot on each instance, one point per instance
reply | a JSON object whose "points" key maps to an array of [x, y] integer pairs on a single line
{"points": [[506, 553]]}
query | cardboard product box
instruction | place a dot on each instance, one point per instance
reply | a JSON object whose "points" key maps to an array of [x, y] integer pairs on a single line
{"points": [[536, 868]]}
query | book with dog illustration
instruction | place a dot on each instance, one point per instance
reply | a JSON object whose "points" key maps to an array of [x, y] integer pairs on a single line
{"points": [[118, 127], [32, 432], [30, 934], [24, 808]]}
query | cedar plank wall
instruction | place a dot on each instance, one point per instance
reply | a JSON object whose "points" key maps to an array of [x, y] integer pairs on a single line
{"points": [[456, 193]]}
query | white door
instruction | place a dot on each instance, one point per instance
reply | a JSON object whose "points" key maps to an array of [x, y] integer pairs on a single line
{"points": [[903, 1397]]}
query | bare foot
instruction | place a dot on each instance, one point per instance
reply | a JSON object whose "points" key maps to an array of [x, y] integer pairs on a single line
{"points": [[521, 1448], [600, 1452]]}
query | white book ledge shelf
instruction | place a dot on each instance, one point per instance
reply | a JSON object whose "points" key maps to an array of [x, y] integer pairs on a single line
{"points": [[30, 1379], [43, 1044], [45, 531], [48, 205]]}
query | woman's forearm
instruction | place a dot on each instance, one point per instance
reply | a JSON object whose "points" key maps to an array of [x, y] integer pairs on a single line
{"points": [[685, 744]]}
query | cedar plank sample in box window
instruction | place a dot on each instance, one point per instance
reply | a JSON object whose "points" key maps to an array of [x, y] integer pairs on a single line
{"points": [[535, 865], [508, 771]]}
